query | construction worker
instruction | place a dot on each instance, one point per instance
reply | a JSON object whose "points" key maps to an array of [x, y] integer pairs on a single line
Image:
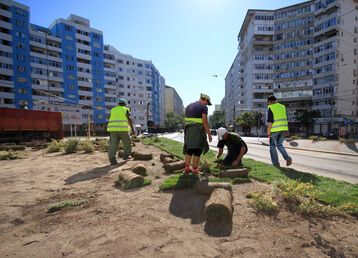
{"points": [[118, 126], [195, 130], [237, 148], [277, 128]]}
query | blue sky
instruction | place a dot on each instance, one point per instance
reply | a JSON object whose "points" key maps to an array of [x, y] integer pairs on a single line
{"points": [[187, 40]]}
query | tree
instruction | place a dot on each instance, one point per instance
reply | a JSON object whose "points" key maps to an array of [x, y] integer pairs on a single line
{"points": [[174, 121], [247, 120], [217, 119], [305, 118]]}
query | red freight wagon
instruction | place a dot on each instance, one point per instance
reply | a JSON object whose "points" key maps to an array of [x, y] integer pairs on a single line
{"points": [[22, 124]]}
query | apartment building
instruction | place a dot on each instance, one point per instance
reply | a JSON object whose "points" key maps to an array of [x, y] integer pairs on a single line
{"points": [[134, 81], [67, 68], [256, 61], [173, 102], [293, 63], [308, 61]]}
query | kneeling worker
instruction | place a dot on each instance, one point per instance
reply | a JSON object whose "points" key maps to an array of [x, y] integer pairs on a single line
{"points": [[237, 148]]}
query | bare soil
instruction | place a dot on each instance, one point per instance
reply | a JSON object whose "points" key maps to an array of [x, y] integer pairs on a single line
{"points": [[144, 222]]}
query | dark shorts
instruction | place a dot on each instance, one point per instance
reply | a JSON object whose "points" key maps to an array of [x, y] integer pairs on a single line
{"points": [[232, 155], [194, 152]]}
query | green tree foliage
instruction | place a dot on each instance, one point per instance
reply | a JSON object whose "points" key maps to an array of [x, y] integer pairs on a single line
{"points": [[217, 119], [249, 119], [174, 121], [305, 118]]}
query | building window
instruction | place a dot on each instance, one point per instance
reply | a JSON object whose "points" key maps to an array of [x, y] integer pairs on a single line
{"points": [[21, 69]]}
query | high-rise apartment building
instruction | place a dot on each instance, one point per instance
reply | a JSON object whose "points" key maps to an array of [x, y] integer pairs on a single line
{"points": [[306, 55], [66, 67], [173, 102]]}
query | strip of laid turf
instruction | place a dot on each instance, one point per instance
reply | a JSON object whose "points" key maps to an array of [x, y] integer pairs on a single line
{"points": [[331, 191]]}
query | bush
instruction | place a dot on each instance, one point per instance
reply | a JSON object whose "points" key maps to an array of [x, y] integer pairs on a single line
{"points": [[87, 146], [103, 145], [263, 202], [70, 146], [8, 155], [313, 138], [54, 146]]}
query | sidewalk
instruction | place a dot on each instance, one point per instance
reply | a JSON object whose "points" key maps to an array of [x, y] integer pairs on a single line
{"points": [[328, 146]]}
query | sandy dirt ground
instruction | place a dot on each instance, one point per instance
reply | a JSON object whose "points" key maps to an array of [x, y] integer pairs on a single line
{"points": [[144, 222]]}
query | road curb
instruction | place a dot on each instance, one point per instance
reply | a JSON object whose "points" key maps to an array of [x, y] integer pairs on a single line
{"points": [[313, 150]]}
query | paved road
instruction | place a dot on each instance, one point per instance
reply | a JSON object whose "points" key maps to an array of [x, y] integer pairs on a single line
{"points": [[330, 165]]}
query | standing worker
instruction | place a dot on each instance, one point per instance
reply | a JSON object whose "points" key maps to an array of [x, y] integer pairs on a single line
{"points": [[236, 146], [195, 131], [118, 126], [277, 127]]}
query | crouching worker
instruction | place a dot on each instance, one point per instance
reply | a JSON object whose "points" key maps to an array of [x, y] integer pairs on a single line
{"points": [[237, 148]]}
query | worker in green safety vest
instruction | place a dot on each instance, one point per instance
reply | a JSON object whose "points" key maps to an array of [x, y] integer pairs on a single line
{"points": [[277, 128], [118, 127]]}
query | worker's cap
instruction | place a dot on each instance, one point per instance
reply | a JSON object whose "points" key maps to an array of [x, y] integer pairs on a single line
{"points": [[122, 101], [206, 97], [221, 132]]}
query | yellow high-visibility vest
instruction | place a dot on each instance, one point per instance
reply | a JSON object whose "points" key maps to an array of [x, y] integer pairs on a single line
{"points": [[118, 121], [192, 120], [280, 122]]}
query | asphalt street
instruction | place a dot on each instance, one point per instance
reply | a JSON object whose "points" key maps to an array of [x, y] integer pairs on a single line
{"points": [[335, 166]]}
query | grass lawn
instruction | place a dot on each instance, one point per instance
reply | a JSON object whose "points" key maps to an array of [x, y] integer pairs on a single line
{"points": [[330, 191]]}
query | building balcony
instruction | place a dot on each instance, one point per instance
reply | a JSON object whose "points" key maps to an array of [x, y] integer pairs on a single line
{"points": [[58, 49], [83, 37], [5, 83], [7, 105], [262, 101], [9, 72], [322, 107], [83, 56], [333, 5], [83, 46], [6, 25], [110, 69], [5, 36], [257, 42], [37, 44], [109, 61], [6, 48], [8, 95], [110, 78], [85, 75], [54, 38], [5, 13], [84, 83], [262, 90], [36, 65], [40, 87], [55, 78], [85, 93], [107, 86], [85, 102]]}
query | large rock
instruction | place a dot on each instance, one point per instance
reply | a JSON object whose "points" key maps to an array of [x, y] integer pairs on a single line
{"points": [[140, 169]]}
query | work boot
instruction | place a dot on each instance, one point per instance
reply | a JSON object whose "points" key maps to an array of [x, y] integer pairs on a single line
{"points": [[288, 162]]}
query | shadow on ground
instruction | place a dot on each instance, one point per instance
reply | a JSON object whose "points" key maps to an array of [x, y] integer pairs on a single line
{"points": [[352, 146], [293, 144], [187, 204], [300, 176], [91, 174], [218, 228]]}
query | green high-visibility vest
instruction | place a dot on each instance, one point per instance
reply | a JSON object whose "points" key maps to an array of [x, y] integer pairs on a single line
{"points": [[280, 122], [192, 120], [118, 121]]}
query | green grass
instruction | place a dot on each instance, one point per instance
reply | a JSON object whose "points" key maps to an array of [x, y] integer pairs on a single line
{"points": [[67, 203], [329, 191]]}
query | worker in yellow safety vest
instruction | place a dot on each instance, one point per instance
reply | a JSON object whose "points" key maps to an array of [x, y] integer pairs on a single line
{"points": [[277, 128], [118, 127]]}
